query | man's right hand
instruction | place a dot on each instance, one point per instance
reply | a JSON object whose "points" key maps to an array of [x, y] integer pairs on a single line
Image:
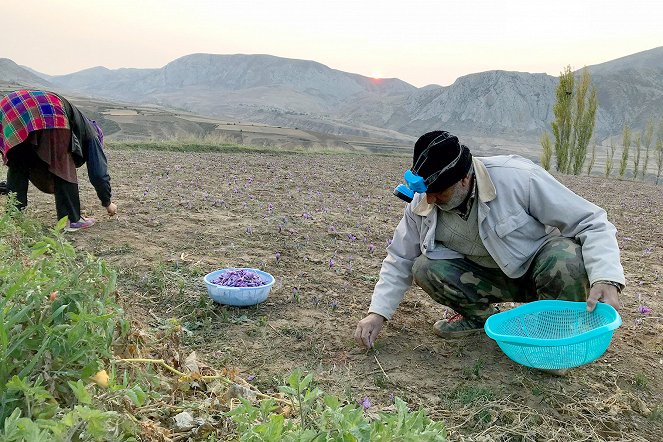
{"points": [[368, 329]]}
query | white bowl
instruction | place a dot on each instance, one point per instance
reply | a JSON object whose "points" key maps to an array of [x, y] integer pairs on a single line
{"points": [[238, 296]]}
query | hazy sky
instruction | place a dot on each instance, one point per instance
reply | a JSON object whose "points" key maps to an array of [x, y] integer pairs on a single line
{"points": [[418, 41]]}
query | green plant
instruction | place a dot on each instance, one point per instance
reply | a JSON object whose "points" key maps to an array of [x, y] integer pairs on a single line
{"points": [[562, 126], [637, 155], [58, 321], [659, 151], [546, 154], [640, 381], [584, 121], [609, 159], [322, 417], [592, 160], [470, 394], [575, 117], [626, 143], [646, 141]]}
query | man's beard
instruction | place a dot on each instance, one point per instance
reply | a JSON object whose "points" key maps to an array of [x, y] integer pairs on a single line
{"points": [[456, 200]]}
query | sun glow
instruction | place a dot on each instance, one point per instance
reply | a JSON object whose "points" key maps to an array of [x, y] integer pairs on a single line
{"points": [[376, 75]]}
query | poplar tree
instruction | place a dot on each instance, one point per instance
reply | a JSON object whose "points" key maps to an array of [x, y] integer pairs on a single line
{"points": [[583, 125], [546, 155], [592, 159], [626, 143], [636, 157], [563, 122], [609, 159], [574, 119], [659, 151], [646, 140]]}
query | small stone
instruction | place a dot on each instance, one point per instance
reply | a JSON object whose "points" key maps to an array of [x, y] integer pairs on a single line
{"points": [[184, 421]]}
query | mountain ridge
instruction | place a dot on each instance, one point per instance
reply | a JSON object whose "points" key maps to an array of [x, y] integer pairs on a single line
{"points": [[274, 90]]}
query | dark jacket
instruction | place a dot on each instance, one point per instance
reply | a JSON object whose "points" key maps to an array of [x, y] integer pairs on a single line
{"points": [[86, 147]]}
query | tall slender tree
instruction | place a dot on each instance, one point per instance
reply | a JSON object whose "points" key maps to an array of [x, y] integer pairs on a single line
{"points": [[609, 159], [546, 154], [646, 141], [592, 159], [562, 125], [637, 154], [626, 146], [574, 119], [584, 121], [659, 151]]}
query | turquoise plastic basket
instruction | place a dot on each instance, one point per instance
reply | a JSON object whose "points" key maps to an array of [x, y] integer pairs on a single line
{"points": [[554, 334]]}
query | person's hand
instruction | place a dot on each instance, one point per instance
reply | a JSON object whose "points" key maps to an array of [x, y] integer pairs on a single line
{"points": [[605, 293], [368, 329], [111, 209]]}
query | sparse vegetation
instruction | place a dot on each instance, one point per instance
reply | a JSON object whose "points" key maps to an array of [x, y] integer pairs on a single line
{"points": [[187, 213]]}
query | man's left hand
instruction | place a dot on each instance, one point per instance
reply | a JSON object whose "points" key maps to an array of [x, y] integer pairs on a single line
{"points": [[605, 293]]}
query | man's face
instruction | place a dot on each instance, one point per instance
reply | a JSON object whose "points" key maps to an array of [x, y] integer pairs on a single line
{"points": [[450, 198]]}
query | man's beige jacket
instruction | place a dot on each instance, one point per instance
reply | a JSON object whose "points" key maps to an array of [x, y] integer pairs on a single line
{"points": [[520, 208]]}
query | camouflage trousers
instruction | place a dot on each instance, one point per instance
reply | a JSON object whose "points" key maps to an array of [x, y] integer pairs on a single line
{"points": [[557, 272]]}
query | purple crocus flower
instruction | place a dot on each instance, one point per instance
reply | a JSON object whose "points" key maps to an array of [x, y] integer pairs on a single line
{"points": [[365, 403], [250, 378], [331, 262], [644, 310], [239, 278], [277, 255], [371, 248]]}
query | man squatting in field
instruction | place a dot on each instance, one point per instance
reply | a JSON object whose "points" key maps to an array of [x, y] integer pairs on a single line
{"points": [[489, 230], [43, 139]]}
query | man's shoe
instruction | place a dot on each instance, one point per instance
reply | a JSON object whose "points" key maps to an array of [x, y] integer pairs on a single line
{"points": [[82, 223], [457, 326]]}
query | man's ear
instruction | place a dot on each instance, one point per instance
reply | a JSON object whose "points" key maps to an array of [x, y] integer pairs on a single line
{"points": [[466, 181]]}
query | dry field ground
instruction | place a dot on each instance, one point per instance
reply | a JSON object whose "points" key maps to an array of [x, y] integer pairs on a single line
{"points": [[329, 217]]}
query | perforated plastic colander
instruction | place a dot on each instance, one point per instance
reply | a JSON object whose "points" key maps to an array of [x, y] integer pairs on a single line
{"points": [[554, 334]]}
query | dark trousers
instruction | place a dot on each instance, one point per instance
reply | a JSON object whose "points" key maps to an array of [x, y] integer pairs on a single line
{"points": [[557, 272], [22, 159]]}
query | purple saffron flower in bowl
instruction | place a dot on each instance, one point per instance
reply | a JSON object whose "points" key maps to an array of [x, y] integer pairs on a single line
{"points": [[238, 286]]}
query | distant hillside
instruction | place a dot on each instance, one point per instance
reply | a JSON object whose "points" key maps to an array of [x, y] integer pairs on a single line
{"points": [[308, 95], [10, 72]]}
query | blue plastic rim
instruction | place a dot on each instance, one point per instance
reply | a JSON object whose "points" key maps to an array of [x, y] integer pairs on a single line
{"points": [[554, 334], [238, 296]]}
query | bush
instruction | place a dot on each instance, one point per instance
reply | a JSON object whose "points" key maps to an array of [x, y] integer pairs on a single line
{"points": [[320, 417], [57, 325]]}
